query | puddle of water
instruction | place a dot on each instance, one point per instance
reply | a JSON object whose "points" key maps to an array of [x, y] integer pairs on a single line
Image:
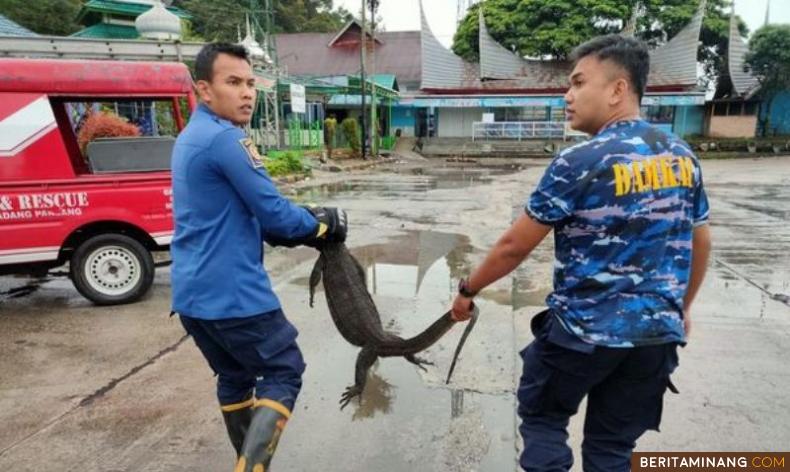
{"points": [[429, 178], [426, 266], [415, 264], [470, 431], [18, 292], [379, 395]]}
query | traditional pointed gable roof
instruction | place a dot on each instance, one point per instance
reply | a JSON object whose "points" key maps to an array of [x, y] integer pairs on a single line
{"points": [[440, 67], [676, 61], [744, 84], [496, 62], [350, 35], [673, 65]]}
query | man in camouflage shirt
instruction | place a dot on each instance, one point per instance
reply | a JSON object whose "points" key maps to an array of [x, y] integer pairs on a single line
{"points": [[629, 215]]}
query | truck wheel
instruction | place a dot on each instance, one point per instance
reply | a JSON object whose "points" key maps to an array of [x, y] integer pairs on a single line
{"points": [[112, 269]]}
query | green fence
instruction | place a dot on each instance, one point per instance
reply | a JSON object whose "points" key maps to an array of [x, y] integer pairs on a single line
{"points": [[387, 142], [304, 135], [300, 135]]}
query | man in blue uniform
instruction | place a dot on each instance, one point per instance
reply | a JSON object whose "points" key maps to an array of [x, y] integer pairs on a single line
{"points": [[629, 215], [225, 206]]}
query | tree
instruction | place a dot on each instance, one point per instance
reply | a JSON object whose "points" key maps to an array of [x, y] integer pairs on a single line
{"points": [[219, 20], [768, 59], [552, 28], [47, 17]]}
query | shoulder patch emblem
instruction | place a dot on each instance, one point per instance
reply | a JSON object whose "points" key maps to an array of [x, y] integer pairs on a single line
{"points": [[256, 161]]}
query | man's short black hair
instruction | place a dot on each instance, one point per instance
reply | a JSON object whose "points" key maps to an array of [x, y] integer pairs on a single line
{"points": [[204, 63], [628, 53]]}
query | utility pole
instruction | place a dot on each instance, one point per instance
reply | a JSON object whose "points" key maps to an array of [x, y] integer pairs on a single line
{"points": [[374, 121], [363, 46]]}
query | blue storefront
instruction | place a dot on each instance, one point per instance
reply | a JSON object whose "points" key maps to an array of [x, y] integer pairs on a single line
{"points": [[456, 116]]}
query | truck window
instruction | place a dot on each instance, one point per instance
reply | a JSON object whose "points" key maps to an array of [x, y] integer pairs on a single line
{"points": [[122, 135]]}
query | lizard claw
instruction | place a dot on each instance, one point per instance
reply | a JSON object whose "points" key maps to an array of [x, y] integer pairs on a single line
{"points": [[419, 362], [351, 392]]}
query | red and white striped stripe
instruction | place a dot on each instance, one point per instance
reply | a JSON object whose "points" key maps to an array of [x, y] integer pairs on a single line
{"points": [[25, 123], [33, 254]]}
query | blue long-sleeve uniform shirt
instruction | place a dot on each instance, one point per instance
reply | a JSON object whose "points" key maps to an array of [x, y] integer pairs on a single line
{"points": [[224, 204]]}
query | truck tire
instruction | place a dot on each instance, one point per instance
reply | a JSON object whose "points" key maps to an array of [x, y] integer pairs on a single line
{"points": [[112, 269]]}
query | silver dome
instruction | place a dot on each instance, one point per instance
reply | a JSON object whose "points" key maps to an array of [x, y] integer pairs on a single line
{"points": [[158, 23]]}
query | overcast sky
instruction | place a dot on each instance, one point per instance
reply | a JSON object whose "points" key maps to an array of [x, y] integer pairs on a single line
{"points": [[400, 15]]}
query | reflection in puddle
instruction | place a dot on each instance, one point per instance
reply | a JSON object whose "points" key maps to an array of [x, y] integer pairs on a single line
{"points": [[426, 265], [431, 178], [417, 261], [423, 264], [377, 397], [19, 292]]}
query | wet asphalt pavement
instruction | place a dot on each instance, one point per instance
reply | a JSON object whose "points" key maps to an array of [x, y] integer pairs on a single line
{"points": [[86, 388]]}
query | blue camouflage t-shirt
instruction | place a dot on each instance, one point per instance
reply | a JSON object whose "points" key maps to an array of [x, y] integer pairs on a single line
{"points": [[623, 206]]}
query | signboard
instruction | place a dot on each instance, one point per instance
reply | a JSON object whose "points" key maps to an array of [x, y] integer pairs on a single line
{"points": [[485, 102], [555, 102], [677, 100], [488, 117], [298, 99]]}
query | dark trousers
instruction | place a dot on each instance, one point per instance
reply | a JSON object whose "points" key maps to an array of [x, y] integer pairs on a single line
{"points": [[624, 388], [256, 355]]}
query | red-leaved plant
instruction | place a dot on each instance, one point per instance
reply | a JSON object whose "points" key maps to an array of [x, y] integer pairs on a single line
{"points": [[104, 125]]}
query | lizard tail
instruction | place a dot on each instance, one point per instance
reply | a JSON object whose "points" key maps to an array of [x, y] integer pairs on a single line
{"points": [[462, 341]]}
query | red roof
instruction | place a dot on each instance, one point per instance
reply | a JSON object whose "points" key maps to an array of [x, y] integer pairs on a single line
{"points": [[310, 54], [350, 35], [64, 77]]}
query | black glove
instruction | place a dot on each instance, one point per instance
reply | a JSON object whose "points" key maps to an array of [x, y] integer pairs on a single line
{"points": [[332, 225]]}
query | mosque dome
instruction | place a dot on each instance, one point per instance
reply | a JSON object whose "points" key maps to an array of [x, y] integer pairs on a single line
{"points": [[158, 23]]}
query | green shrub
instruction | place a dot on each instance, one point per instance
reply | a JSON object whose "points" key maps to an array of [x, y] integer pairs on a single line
{"points": [[330, 128], [284, 163], [351, 132]]}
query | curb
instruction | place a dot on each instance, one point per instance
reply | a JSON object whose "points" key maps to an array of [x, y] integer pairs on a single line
{"points": [[335, 167], [329, 168]]}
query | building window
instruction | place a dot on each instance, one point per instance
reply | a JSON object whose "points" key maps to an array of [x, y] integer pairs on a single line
{"points": [[750, 108], [521, 114], [314, 111], [721, 109], [658, 113]]}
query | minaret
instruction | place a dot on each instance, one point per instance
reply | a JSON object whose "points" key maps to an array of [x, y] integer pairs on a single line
{"points": [[767, 13], [253, 47]]}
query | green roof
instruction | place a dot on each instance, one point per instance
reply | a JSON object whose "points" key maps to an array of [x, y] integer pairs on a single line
{"points": [[123, 8], [385, 80], [108, 31], [312, 86]]}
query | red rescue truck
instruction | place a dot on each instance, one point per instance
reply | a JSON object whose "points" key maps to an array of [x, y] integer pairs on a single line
{"points": [[85, 169]]}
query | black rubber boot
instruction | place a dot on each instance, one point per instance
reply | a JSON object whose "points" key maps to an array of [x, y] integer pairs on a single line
{"points": [[237, 421], [268, 421]]}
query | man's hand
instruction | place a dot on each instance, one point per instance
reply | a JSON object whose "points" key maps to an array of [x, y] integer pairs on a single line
{"points": [[687, 322], [332, 225], [462, 308]]}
